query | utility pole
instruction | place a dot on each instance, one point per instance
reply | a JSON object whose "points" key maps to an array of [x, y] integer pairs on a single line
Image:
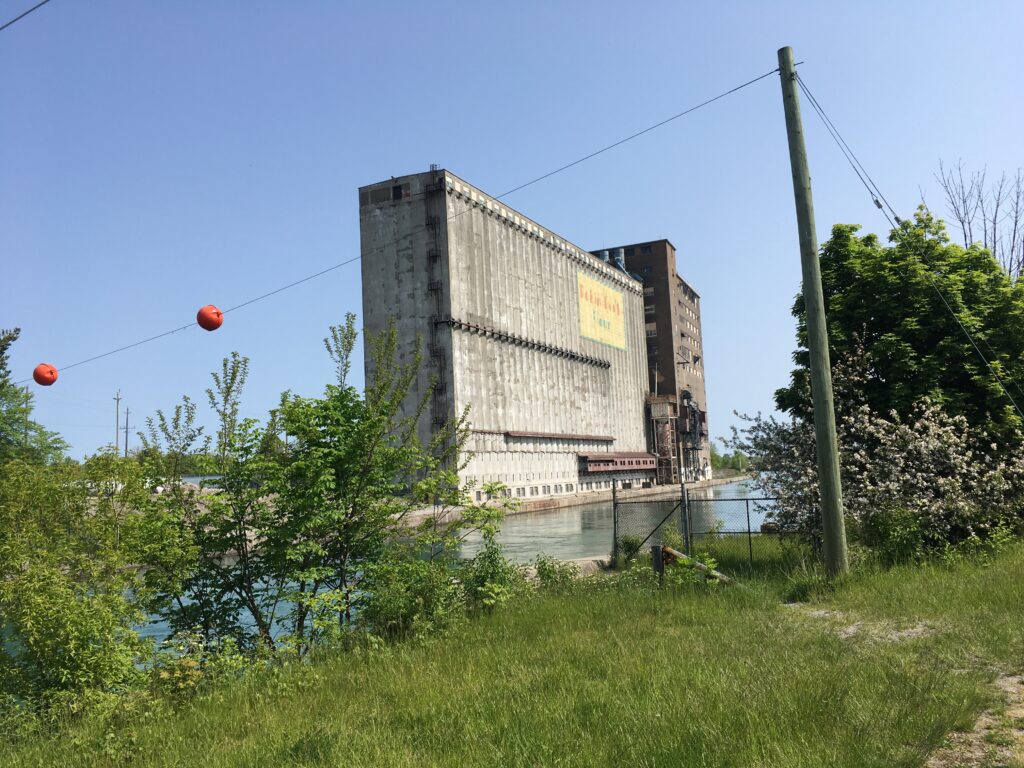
{"points": [[117, 419], [28, 398], [833, 526], [126, 412]]}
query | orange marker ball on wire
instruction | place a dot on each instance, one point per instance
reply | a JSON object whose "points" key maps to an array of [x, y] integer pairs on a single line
{"points": [[44, 374], [210, 318]]}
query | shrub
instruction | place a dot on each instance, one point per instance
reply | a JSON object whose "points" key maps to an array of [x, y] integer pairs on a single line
{"points": [[555, 574], [410, 597], [629, 548], [490, 578], [68, 594], [912, 483], [894, 535]]}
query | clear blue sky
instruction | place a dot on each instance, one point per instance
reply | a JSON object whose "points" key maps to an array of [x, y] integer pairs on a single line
{"points": [[156, 157]]}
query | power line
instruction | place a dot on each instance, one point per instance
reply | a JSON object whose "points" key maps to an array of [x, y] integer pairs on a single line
{"points": [[340, 264], [873, 189], [22, 16], [876, 194], [639, 133]]}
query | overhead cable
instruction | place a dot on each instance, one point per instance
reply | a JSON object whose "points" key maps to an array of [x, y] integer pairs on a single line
{"points": [[23, 15], [340, 264]]}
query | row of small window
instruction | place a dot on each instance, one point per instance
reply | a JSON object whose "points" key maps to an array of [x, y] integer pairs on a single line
{"points": [[536, 490], [546, 490]]}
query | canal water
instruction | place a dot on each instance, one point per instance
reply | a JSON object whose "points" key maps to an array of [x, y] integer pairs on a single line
{"points": [[585, 531], [574, 533]]}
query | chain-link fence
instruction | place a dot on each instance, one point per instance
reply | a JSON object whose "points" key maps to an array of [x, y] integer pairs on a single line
{"points": [[637, 525], [736, 532]]}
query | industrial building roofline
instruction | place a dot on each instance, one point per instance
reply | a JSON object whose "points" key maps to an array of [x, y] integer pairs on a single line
{"points": [[495, 207], [637, 245]]}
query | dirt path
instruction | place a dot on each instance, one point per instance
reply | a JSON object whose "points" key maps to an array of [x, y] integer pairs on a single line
{"points": [[997, 738]]}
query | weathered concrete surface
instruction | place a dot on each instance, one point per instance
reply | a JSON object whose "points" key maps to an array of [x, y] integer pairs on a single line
{"points": [[595, 497], [492, 299]]}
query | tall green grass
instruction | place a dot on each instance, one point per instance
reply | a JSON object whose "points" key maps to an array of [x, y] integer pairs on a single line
{"points": [[617, 677]]}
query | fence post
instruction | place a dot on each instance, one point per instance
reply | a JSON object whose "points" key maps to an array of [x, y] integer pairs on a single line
{"points": [[750, 536], [658, 562], [615, 523], [687, 535]]}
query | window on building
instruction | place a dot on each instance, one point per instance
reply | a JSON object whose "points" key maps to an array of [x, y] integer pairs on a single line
{"points": [[520, 491], [533, 490], [645, 271], [396, 192], [558, 488], [479, 496], [629, 252], [645, 250], [568, 488], [547, 490]]}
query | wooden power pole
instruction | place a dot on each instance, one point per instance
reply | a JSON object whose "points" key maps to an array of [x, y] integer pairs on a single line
{"points": [[126, 412], [833, 526], [117, 420]]}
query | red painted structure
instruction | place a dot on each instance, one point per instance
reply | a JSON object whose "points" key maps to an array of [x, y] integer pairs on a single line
{"points": [[617, 462]]}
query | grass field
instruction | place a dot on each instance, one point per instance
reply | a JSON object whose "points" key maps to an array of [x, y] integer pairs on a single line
{"points": [[874, 674]]}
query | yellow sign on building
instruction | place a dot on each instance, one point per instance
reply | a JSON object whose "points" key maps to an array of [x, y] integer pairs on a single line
{"points": [[602, 316]]}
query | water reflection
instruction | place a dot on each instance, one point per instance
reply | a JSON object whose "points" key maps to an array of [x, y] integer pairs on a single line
{"points": [[586, 530]]}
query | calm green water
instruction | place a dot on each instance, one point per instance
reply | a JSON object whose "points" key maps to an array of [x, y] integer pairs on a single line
{"points": [[586, 531]]}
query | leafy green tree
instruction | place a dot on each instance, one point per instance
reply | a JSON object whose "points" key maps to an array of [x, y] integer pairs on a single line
{"points": [[225, 399], [20, 436], [891, 300], [70, 597], [172, 445], [214, 574], [737, 460], [356, 470]]}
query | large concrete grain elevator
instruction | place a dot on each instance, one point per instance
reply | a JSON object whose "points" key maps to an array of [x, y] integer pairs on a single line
{"points": [[543, 341]]}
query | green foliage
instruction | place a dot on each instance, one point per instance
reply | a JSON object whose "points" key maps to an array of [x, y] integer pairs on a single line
{"points": [[680, 573], [736, 460], [216, 573], [930, 477], [21, 437], [883, 298], [225, 399], [629, 547], [412, 597], [69, 597], [672, 538], [555, 575], [492, 579], [420, 585], [894, 535], [171, 443], [188, 664], [356, 469]]}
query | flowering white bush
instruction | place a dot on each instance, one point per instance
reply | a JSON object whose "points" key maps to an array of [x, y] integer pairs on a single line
{"points": [[911, 483]]}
